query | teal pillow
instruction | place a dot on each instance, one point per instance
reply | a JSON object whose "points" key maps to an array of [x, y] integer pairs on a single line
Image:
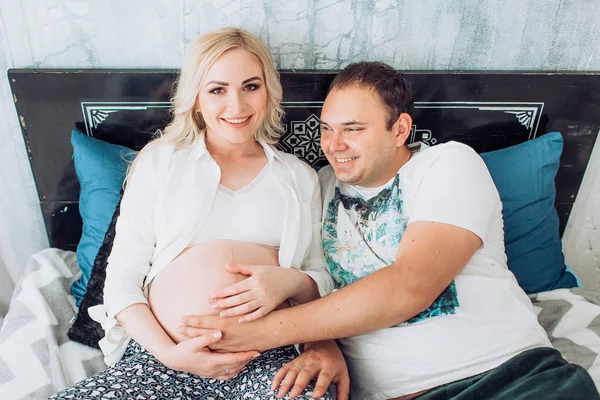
{"points": [[524, 175], [577, 281], [100, 169]]}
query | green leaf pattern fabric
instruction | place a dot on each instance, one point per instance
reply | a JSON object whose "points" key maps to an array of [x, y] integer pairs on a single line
{"points": [[362, 236]]}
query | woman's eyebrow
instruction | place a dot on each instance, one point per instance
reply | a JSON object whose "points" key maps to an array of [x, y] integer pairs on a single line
{"points": [[217, 83], [251, 79], [227, 84]]}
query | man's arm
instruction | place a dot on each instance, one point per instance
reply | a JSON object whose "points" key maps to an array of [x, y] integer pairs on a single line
{"points": [[457, 192], [429, 257]]}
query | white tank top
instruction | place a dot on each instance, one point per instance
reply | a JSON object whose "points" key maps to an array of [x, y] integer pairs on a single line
{"points": [[254, 213]]}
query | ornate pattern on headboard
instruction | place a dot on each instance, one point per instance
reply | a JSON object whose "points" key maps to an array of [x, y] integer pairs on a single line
{"points": [[488, 111]]}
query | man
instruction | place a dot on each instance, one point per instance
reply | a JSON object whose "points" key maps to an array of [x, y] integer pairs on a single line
{"points": [[414, 239]]}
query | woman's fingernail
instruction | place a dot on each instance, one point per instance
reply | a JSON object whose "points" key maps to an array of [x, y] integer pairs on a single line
{"points": [[223, 314], [214, 306], [217, 334], [180, 329], [182, 321], [256, 356], [241, 320]]}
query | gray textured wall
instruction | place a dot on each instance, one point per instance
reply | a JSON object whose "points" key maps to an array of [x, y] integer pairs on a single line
{"points": [[548, 35], [426, 35]]}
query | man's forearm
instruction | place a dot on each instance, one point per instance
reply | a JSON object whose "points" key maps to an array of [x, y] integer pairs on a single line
{"points": [[430, 256], [374, 302]]}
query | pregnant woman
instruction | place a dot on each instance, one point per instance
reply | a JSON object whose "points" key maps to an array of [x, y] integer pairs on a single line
{"points": [[207, 200]]}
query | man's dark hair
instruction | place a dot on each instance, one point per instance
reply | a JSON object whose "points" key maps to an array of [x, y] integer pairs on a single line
{"points": [[393, 90]]}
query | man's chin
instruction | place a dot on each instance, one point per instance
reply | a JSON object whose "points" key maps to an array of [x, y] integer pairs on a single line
{"points": [[345, 177]]}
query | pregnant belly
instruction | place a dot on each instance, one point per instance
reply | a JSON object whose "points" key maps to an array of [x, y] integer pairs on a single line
{"points": [[182, 287]]}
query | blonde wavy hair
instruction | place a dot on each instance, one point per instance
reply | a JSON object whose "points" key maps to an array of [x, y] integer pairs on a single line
{"points": [[187, 125]]}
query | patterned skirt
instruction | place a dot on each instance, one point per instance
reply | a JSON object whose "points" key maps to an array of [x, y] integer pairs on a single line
{"points": [[139, 375]]}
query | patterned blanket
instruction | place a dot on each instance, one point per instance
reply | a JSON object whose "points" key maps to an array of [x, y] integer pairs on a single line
{"points": [[37, 359], [571, 317]]}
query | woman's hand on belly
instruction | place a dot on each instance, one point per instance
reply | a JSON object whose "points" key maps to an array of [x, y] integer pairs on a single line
{"points": [[193, 356], [183, 287], [264, 289]]}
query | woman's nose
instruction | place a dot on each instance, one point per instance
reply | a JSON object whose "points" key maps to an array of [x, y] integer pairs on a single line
{"points": [[235, 103]]}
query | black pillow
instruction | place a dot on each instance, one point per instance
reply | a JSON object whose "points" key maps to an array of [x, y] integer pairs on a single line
{"points": [[85, 330]]}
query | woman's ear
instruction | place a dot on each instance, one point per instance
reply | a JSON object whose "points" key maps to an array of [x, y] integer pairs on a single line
{"points": [[402, 128], [197, 103]]}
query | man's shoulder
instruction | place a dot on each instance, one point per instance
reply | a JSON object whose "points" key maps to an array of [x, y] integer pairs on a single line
{"points": [[326, 174], [326, 177], [327, 181], [457, 148], [446, 155], [451, 148]]}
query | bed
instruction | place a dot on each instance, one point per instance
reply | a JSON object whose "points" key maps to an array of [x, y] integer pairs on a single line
{"points": [[491, 112]]}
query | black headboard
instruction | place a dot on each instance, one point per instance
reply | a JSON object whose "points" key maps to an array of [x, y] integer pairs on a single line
{"points": [[488, 111]]}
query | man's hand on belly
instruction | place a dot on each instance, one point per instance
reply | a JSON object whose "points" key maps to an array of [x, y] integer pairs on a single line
{"points": [[236, 336], [265, 288]]}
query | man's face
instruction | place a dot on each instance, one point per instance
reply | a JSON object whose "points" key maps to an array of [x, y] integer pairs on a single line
{"points": [[355, 140]]}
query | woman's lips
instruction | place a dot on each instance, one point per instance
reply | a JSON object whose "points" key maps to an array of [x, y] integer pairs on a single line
{"points": [[237, 122]]}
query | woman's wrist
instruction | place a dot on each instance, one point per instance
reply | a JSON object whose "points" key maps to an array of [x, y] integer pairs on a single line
{"points": [[303, 287], [160, 346], [295, 282], [162, 354]]}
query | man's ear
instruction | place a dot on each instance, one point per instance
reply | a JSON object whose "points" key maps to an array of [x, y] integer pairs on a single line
{"points": [[402, 128]]}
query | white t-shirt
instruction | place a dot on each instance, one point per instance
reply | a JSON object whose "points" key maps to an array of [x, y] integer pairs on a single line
{"points": [[254, 213], [480, 321]]}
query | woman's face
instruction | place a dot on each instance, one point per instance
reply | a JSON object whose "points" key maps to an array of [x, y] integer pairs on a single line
{"points": [[233, 97]]}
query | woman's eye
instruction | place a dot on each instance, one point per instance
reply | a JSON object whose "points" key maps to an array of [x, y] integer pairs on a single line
{"points": [[325, 128], [354, 129], [217, 90], [251, 87]]}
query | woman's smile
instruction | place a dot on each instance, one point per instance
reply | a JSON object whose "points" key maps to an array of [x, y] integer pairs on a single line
{"points": [[239, 122]]}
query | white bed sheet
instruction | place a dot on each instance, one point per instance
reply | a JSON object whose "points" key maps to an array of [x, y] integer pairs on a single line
{"points": [[37, 359]]}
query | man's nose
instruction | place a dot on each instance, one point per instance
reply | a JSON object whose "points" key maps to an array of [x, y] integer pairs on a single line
{"points": [[336, 142]]}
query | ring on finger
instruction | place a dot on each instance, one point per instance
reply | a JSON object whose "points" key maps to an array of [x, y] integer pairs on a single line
{"points": [[299, 366], [227, 372]]}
